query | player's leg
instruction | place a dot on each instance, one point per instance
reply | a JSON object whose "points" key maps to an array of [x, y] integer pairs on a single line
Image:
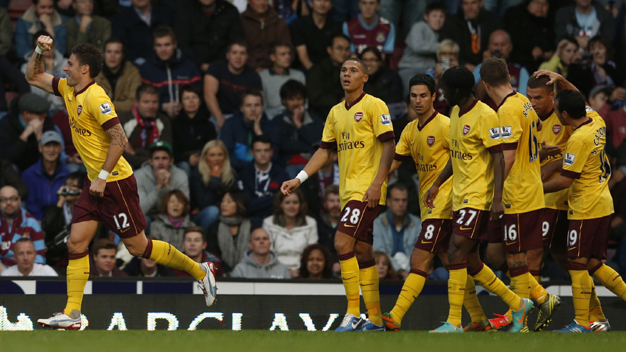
{"points": [[608, 277], [344, 244], [597, 321], [368, 280]]}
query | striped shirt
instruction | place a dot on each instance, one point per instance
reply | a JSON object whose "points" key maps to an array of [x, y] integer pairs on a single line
{"points": [[23, 226]]}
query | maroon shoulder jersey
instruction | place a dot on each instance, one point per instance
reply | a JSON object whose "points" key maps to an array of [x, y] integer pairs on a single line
{"points": [[362, 37]]}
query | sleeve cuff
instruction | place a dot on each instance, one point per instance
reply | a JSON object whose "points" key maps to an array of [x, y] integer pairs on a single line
{"points": [[386, 136], [495, 149], [328, 145], [400, 157], [55, 86], [509, 146], [110, 123], [570, 174]]}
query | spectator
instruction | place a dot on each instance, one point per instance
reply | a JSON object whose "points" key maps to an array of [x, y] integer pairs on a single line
{"points": [[369, 29], [396, 230], [290, 10], [119, 77], [194, 246], [290, 229], [260, 262], [191, 129], [206, 27], [239, 132], [47, 176], [65, 9], [40, 16], [312, 34], [261, 179], [297, 129], [6, 31], [173, 219], [225, 81], [10, 177], [86, 28], [565, 55], [447, 56], [135, 24], [12, 78], [600, 70], [158, 177], [327, 175], [614, 114], [16, 223], [103, 256], [144, 267], [583, 20], [212, 179], [166, 69], [532, 33], [410, 10], [422, 43], [25, 255], [400, 123], [144, 125], [324, 84], [600, 99], [273, 78], [385, 269], [470, 29], [230, 236], [382, 83], [262, 27], [328, 220], [316, 263]]}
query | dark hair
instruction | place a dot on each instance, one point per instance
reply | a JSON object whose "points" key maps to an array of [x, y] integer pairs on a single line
{"points": [[261, 139], [190, 88], [599, 39], [397, 186], [540, 82], [181, 198], [572, 102], [79, 176], [374, 50], [279, 217], [38, 34], [250, 91], [292, 89], [358, 61], [237, 42], [495, 72], [115, 40], [239, 197], [338, 35], [459, 78], [425, 80], [327, 273], [332, 189], [194, 229], [278, 44], [436, 6], [88, 54], [146, 88], [391, 272], [164, 31], [24, 239], [102, 243], [572, 40]]}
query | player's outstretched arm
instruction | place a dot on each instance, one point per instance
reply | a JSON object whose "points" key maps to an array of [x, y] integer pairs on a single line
{"points": [[556, 184], [561, 82], [316, 162], [118, 144], [35, 74], [373, 193], [497, 207]]}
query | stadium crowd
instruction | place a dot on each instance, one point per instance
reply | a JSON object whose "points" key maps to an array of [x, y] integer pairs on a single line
{"points": [[222, 102]]}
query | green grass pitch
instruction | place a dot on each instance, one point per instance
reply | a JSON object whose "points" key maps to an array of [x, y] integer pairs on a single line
{"points": [[295, 341]]}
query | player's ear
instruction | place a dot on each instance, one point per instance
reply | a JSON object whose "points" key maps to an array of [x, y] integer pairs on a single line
{"points": [[366, 77]]}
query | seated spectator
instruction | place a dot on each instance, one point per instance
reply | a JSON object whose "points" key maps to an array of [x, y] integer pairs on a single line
{"points": [[369, 29], [25, 255], [290, 229], [10, 78], [158, 177], [532, 33], [86, 28], [274, 77], [583, 20], [65, 9], [297, 129], [229, 237], [103, 263], [213, 178], [239, 131], [422, 43], [383, 83], [46, 176], [410, 11], [69, 154], [324, 84], [316, 263], [566, 53], [599, 71], [613, 112], [6, 31], [396, 230], [40, 16], [16, 223], [135, 24], [119, 77], [384, 267], [194, 246], [10, 177], [328, 220], [167, 69], [262, 27], [191, 129], [260, 262], [225, 81], [312, 34], [261, 179], [173, 220], [447, 56], [206, 27], [144, 267], [144, 125], [598, 97], [290, 10]]}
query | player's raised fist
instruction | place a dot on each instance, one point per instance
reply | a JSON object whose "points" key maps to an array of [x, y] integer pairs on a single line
{"points": [[44, 42], [289, 186]]}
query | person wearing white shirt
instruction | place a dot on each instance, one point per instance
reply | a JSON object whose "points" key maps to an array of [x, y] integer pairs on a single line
{"points": [[25, 255]]}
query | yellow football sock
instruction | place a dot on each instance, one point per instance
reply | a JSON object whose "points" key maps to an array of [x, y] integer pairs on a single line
{"points": [[350, 277], [581, 291], [456, 293], [410, 290], [471, 302], [595, 308], [537, 292], [487, 279], [368, 278], [165, 254], [611, 280], [520, 281], [77, 276]]}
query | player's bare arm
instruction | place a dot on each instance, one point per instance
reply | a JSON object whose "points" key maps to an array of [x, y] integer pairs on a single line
{"points": [[372, 196], [509, 160], [550, 168], [557, 184], [395, 165], [315, 163], [118, 144], [431, 194], [562, 83], [497, 207], [547, 151], [35, 74]]}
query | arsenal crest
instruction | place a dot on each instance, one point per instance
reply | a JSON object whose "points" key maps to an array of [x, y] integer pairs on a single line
{"points": [[466, 129], [556, 129], [79, 109], [430, 140], [358, 116]]}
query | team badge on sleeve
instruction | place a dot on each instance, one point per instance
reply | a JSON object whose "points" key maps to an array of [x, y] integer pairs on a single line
{"points": [[105, 108], [466, 129], [507, 131], [556, 129], [494, 133], [358, 116], [569, 159], [385, 119], [430, 140]]}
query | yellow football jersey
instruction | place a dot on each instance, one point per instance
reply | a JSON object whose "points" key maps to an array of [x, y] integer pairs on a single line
{"points": [[357, 131], [554, 133], [473, 135], [523, 189], [586, 162], [429, 146], [91, 113]]}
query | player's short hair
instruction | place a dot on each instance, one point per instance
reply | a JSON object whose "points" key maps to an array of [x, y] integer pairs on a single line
{"points": [[145, 88], [397, 186], [88, 54], [164, 31], [189, 88], [237, 42], [436, 6], [332, 189], [279, 218], [495, 72], [338, 35], [278, 44], [102, 243], [181, 198], [79, 176], [250, 91], [292, 89], [459, 78], [423, 79], [115, 40], [262, 138], [198, 229], [239, 197], [572, 102], [540, 82], [358, 61]]}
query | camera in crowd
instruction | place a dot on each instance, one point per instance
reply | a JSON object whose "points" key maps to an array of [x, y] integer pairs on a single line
{"points": [[69, 192]]}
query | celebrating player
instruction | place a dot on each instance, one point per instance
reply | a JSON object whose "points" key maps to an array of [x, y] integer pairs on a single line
{"points": [[360, 128], [478, 165], [110, 194]]}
